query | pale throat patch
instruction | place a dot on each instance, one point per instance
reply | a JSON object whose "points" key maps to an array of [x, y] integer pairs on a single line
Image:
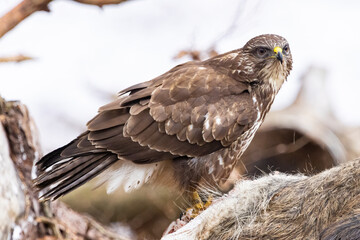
{"points": [[277, 79], [276, 76], [276, 83]]}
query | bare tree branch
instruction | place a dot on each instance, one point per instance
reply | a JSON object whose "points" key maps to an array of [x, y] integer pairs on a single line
{"points": [[100, 3], [28, 7], [23, 216], [20, 12], [18, 58]]}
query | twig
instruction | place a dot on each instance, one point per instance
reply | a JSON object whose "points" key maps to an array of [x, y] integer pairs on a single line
{"points": [[28, 7], [53, 223], [100, 3], [103, 230], [20, 12], [18, 58], [210, 51]]}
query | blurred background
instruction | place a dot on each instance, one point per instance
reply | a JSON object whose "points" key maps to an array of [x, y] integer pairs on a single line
{"points": [[83, 55]]}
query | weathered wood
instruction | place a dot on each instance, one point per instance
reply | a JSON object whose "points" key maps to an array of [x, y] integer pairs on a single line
{"points": [[12, 200], [22, 216], [21, 135]]}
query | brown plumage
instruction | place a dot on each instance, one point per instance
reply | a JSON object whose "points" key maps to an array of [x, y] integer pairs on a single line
{"points": [[190, 124]]}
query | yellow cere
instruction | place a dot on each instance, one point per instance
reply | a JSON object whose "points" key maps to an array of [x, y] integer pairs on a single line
{"points": [[277, 49]]}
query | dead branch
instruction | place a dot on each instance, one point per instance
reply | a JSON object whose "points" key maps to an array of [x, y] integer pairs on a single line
{"points": [[18, 58], [20, 12], [28, 7], [24, 217], [100, 3], [196, 55]]}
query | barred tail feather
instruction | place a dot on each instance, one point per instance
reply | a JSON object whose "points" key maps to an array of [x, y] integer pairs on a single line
{"points": [[60, 174]]}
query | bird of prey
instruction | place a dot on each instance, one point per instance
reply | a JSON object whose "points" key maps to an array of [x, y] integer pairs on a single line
{"points": [[190, 124]]}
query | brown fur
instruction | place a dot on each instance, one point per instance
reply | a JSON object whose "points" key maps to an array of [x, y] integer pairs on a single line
{"points": [[303, 210], [279, 206], [345, 228]]}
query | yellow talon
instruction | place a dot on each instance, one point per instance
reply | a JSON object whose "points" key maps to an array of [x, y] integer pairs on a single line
{"points": [[208, 202], [199, 205]]}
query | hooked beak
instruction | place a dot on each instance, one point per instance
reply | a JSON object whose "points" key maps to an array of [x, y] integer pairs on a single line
{"points": [[278, 54]]}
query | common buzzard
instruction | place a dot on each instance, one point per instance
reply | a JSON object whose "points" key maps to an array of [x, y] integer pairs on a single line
{"points": [[190, 124]]}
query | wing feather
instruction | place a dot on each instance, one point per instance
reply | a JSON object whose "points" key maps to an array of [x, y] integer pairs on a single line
{"points": [[84, 175], [137, 108], [191, 111], [172, 127], [106, 133], [107, 119], [138, 123]]}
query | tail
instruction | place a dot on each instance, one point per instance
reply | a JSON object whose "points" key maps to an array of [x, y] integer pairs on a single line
{"points": [[70, 166]]}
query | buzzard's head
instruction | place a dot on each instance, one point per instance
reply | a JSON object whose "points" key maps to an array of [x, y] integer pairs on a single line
{"points": [[267, 60]]}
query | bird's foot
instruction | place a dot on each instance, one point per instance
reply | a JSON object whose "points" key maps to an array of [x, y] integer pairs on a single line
{"points": [[199, 205]]}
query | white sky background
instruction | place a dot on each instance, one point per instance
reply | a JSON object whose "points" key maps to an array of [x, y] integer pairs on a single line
{"points": [[84, 53]]}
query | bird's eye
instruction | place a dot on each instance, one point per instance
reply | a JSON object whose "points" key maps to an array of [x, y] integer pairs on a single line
{"points": [[286, 49], [262, 52]]}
